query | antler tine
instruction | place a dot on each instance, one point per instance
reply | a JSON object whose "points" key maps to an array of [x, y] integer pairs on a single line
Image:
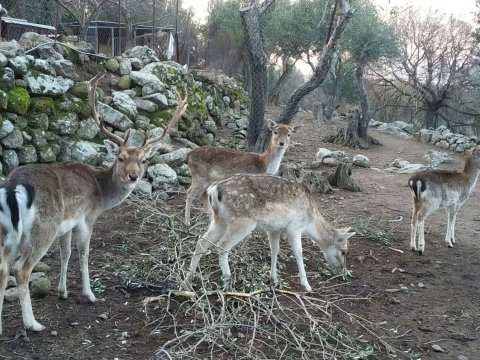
{"points": [[91, 87], [179, 111]]}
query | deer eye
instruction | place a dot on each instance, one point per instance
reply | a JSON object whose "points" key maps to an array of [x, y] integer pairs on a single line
{"points": [[144, 161], [275, 132], [289, 135], [344, 252], [121, 159]]}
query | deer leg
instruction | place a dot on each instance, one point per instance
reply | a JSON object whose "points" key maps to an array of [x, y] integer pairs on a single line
{"points": [[65, 242], [414, 229], [295, 240], [234, 234], [452, 211], [81, 235], [193, 191], [5, 258], [211, 237], [274, 239]]}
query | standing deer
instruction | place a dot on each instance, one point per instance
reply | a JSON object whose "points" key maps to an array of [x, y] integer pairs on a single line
{"points": [[39, 203], [434, 188], [245, 202], [208, 164]]}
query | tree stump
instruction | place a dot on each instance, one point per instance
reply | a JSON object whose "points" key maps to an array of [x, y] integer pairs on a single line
{"points": [[317, 181], [354, 135], [342, 178]]}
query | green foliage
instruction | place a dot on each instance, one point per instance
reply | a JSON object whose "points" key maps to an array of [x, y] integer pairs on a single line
{"points": [[18, 100], [368, 37], [43, 105], [223, 24], [295, 27]]}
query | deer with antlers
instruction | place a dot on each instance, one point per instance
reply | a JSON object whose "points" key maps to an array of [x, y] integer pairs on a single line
{"points": [[208, 164], [39, 203]]}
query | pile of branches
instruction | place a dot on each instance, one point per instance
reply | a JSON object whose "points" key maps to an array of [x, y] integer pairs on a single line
{"points": [[253, 322]]}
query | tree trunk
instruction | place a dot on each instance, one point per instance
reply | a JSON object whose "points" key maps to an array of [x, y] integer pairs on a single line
{"points": [[364, 103], [430, 119], [319, 74], [257, 60], [247, 84], [287, 70], [342, 178]]}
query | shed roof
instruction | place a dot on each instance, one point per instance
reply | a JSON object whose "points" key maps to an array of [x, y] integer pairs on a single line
{"points": [[10, 20]]}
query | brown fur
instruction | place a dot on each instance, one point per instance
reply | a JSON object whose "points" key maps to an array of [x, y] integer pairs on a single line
{"points": [[208, 164]]}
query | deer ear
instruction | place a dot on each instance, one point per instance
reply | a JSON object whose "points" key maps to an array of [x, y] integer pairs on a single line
{"points": [[297, 128], [112, 148], [271, 124]]}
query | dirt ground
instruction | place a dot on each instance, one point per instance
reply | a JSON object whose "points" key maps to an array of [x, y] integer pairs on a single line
{"points": [[439, 304]]}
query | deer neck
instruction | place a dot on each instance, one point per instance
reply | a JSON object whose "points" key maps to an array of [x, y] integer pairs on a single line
{"points": [[273, 158], [112, 190], [319, 230], [471, 170]]}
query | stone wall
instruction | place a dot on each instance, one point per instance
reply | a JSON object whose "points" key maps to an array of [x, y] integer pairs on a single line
{"points": [[45, 117]]}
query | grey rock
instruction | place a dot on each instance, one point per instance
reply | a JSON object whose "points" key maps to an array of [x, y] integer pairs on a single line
{"points": [[143, 188], [159, 99], [38, 137], [11, 295], [174, 158], [7, 79], [85, 152], [48, 85], [125, 67], [145, 105], [163, 176], [41, 267], [183, 170], [114, 117], [210, 126], [323, 153], [65, 124], [3, 60], [361, 160], [48, 153], [143, 53], [65, 68], [136, 63], [27, 155], [87, 129], [124, 103], [399, 163], [40, 288], [142, 78], [14, 140], [6, 128], [135, 137], [436, 158], [9, 160], [19, 64]]}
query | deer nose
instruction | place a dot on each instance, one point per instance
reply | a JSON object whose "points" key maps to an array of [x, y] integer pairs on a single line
{"points": [[132, 177], [281, 143]]}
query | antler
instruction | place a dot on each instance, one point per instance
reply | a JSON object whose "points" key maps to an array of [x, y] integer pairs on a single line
{"points": [[179, 111], [91, 87]]}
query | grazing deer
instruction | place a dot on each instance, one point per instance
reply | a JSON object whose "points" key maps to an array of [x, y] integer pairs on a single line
{"points": [[434, 188], [208, 164], [245, 202], [42, 202]]}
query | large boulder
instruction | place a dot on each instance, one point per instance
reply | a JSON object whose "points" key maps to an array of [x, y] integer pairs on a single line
{"points": [[44, 84], [64, 123], [114, 117], [124, 103], [163, 177], [20, 65], [84, 151], [143, 79], [18, 100], [65, 68], [174, 158], [7, 78], [144, 53]]}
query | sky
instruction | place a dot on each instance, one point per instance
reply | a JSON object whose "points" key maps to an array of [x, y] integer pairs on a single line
{"points": [[463, 9]]}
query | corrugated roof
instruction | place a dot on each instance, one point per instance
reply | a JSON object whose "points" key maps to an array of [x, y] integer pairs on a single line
{"points": [[10, 20]]}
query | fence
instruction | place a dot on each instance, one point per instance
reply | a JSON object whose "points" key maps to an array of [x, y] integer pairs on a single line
{"points": [[113, 27]]}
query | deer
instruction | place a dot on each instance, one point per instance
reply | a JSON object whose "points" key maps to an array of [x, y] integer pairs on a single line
{"points": [[42, 202], [247, 202], [208, 164], [434, 188]]}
